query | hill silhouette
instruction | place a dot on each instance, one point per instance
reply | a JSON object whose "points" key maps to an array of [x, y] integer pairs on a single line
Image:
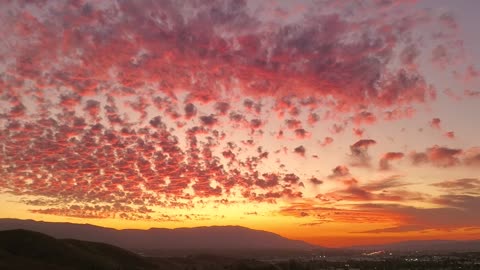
{"points": [[23, 249], [199, 238]]}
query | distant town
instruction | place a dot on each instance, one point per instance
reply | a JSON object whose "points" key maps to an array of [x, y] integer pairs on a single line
{"points": [[381, 260]]}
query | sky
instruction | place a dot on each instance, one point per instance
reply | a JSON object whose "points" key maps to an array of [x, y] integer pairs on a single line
{"points": [[335, 122]]}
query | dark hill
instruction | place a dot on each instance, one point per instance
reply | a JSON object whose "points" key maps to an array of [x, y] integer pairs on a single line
{"points": [[22, 249]]}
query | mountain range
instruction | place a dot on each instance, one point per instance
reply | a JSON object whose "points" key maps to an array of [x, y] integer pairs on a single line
{"points": [[198, 238], [226, 240], [23, 249]]}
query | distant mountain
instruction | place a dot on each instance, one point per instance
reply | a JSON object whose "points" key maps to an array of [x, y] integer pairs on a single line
{"points": [[22, 249], [199, 238], [426, 245]]}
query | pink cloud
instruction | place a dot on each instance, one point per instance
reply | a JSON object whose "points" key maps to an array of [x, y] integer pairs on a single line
{"points": [[387, 157], [435, 123], [463, 184], [437, 156], [326, 141], [193, 74], [450, 135]]}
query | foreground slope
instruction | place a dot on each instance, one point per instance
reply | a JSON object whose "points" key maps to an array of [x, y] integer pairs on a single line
{"points": [[22, 249]]}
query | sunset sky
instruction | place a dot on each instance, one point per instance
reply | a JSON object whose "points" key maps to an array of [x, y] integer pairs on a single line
{"points": [[334, 122]]}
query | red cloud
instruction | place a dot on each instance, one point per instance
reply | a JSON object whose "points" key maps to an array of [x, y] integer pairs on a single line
{"points": [[387, 157], [358, 132], [293, 124], [364, 118], [261, 63], [313, 118], [443, 156], [92, 163]]}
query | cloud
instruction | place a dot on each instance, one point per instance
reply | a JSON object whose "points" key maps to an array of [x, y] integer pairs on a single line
{"points": [[448, 20], [386, 183], [441, 56], [301, 133], [145, 166], [397, 114], [359, 154], [322, 214], [313, 118], [209, 47], [471, 73], [316, 181], [105, 211], [364, 117], [387, 157], [435, 123], [398, 229], [92, 107], [209, 120], [339, 172], [326, 141], [450, 134], [293, 124], [190, 111], [380, 190], [300, 150], [358, 132], [136, 101], [466, 185], [471, 157], [457, 209], [437, 156], [471, 93], [222, 107], [409, 55]]}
